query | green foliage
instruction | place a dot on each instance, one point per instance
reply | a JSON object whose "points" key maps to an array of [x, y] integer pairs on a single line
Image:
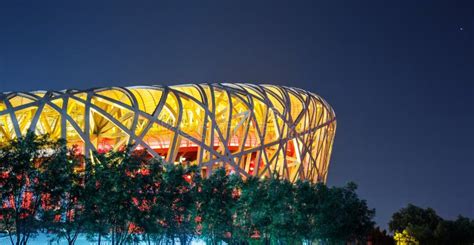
{"points": [[457, 232], [150, 211], [281, 199], [419, 222], [124, 196], [428, 228], [307, 204], [251, 216], [22, 183], [214, 205], [341, 215], [114, 185], [127, 196], [405, 238], [177, 192], [62, 212], [279, 212]]}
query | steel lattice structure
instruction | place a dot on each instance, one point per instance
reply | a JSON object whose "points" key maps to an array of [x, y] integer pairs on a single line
{"points": [[257, 130]]}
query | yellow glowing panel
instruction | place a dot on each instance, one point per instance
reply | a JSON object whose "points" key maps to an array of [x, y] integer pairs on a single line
{"points": [[147, 98], [19, 100]]}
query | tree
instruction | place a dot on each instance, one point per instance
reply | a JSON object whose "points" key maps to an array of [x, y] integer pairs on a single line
{"points": [[307, 203], [113, 187], [252, 215], [126, 196], [342, 216], [63, 208], [359, 215], [379, 237], [419, 222], [457, 232], [98, 182], [214, 203], [282, 209], [178, 202], [428, 228], [22, 164], [405, 238], [150, 213]]}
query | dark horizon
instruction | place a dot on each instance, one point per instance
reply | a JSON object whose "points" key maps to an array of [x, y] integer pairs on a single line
{"points": [[399, 75]]}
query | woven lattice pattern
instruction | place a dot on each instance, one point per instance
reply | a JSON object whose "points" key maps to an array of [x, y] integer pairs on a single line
{"points": [[258, 130]]}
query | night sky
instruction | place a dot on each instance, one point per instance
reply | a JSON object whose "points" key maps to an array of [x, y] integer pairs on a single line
{"points": [[399, 74]]}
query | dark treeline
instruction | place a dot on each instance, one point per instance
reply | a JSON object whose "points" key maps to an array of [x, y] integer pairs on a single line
{"points": [[415, 225], [125, 198]]}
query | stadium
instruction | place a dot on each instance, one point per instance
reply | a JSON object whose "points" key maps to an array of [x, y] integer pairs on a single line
{"points": [[251, 130]]}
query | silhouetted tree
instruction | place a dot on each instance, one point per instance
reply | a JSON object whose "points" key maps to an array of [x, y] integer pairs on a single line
{"points": [[457, 232], [419, 222], [342, 216], [379, 237]]}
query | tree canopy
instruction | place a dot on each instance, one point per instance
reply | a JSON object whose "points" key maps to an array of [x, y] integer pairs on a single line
{"points": [[426, 227], [128, 196]]}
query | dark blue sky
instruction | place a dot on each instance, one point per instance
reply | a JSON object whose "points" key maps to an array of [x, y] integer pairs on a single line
{"points": [[399, 74]]}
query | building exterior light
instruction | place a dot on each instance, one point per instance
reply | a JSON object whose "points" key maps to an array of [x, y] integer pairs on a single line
{"points": [[252, 130]]}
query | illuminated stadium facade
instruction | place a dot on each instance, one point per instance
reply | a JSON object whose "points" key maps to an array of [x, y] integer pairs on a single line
{"points": [[253, 130]]}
